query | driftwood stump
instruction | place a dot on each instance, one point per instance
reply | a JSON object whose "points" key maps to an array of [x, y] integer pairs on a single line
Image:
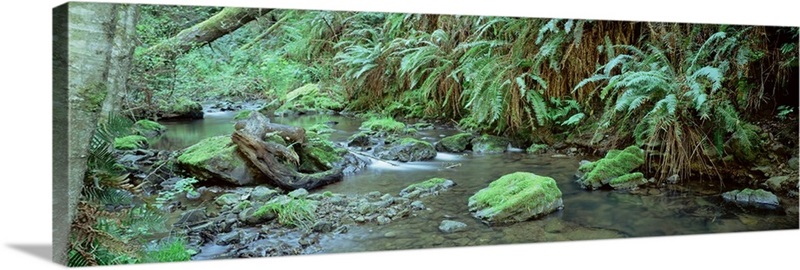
{"points": [[264, 157]]}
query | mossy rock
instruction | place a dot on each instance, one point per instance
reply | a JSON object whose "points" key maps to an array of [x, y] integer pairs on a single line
{"points": [[615, 164], [628, 181], [183, 108], [148, 128], [384, 124], [537, 148], [405, 150], [455, 144], [130, 142], [428, 187], [516, 197], [216, 158], [488, 144]]}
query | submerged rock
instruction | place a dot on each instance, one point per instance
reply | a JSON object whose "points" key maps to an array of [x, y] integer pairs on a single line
{"points": [[617, 163], [405, 150], [488, 144], [750, 197], [451, 226], [215, 158], [455, 144], [427, 187], [516, 197]]}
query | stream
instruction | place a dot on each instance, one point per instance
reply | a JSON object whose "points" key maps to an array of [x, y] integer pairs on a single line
{"points": [[669, 210]]}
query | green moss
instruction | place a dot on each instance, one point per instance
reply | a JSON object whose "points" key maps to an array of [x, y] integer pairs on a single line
{"points": [[243, 115], [456, 143], [615, 164], [149, 125], [415, 141], [513, 190], [309, 98], [327, 194], [220, 146], [243, 205], [93, 95], [487, 144], [628, 181], [227, 199], [297, 212], [387, 124], [130, 142], [427, 184], [537, 148], [171, 250]]}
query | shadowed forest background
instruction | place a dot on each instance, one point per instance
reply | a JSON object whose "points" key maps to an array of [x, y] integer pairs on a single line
{"points": [[695, 108]]}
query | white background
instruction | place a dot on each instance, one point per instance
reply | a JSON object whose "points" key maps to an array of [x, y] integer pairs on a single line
{"points": [[26, 154]]}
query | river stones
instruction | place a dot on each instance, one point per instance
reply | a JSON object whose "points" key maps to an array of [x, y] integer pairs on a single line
{"points": [[616, 164], [455, 144], [215, 158], [516, 197], [488, 144], [263, 194], [751, 197], [405, 150], [428, 187], [451, 226]]}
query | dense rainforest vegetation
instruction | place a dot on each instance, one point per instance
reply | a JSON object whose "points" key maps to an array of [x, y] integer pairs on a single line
{"points": [[702, 102]]}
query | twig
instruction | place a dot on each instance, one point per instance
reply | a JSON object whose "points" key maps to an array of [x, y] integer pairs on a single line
{"points": [[373, 157]]}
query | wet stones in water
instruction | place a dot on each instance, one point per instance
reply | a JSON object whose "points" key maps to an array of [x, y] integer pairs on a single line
{"points": [[191, 217], [383, 220], [455, 144], [298, 193], [252, 216], [750, 197], [516, 197], [451, 226], [488, 144], [405, 150], [417, 205], [428, 187], [263, 194], [322, 226], [227, 199], [228, 238]]}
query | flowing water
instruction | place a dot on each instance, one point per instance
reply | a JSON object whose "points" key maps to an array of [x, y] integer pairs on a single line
{"points": [[586, 215]]}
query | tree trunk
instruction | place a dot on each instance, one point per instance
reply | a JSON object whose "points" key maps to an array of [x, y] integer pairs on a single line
{"points": [[262, 155], [87, 81], [224, 22]]}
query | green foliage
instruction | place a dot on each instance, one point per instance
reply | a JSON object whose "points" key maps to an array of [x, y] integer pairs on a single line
{"points": [[130, 142], [172, 249], [784, 111], [667, 99], [149, 125], [296, 212], [243, 115]]}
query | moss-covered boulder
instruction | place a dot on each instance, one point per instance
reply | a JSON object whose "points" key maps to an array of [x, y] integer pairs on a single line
{"points": [[488, 144], [383, 124], [428, 187], [752, 197], [216, 158], [616, 163], [455, 144], [130, 142], [309, 99], [242, 115], [405, 150], [516, 197], [182, 108], [537, 148], [148, 128]]}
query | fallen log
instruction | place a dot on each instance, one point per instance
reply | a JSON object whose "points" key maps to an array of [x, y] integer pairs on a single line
{"points": [[259, 125], [264, 157]]}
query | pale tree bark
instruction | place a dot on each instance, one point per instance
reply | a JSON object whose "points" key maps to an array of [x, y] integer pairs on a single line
{"points": [[98, 50]]}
